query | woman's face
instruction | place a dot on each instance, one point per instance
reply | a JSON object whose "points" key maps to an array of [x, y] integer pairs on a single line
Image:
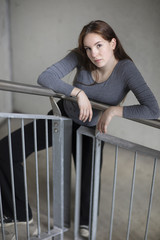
{"points": [[99, 50]]}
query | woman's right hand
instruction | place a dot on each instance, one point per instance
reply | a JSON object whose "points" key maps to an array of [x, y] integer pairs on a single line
{"points": [[84, 104], [85, 107]]}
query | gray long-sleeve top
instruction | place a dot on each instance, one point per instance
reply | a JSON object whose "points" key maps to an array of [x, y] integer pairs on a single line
{"points": [[125, 77]]}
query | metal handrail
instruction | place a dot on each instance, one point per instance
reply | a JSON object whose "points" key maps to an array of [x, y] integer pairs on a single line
{"points": [[41, 91]]}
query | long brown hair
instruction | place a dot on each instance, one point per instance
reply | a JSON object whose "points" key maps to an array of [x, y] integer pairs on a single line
{"points": [[104, 29]]}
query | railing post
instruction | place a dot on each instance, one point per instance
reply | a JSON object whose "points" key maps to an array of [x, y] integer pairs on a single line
{"points": [[95, 192], [61, 173], [78, 185]]}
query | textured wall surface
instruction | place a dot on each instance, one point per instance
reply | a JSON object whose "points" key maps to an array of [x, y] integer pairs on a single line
{"points": [[42, 32], [5, 70]]}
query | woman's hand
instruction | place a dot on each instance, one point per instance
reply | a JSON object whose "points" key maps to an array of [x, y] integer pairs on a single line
{"points": [[84, 105], [107, 116]]}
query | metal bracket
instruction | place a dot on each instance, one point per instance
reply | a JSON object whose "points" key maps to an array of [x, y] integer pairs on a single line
{"points": [[55, 108]]}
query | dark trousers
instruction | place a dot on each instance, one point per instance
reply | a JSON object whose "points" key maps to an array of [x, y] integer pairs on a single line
{"points": [[5, 179]]}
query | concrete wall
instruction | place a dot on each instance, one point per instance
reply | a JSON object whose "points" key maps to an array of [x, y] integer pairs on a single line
{"points": [[43, 31], [5, 68]]}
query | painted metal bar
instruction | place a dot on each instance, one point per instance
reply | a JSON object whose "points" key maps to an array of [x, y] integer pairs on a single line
{"points": [[53, 182], [47, 169], [96, 189], [37, 90], [12, 178], [58, 175], [1, 216], [113, 193], [25, 177], [78, 185], [67, 171], [37, 177], [92, 190], [45, 236], [25, 88], [128, 145], [151, 197], [29, 116], [131, 196]]}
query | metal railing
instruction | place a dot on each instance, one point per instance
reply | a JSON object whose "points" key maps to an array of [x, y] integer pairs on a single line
{"points": [[37, 90], [57, 180], [94, 197], [60, 214], [60, 175]]}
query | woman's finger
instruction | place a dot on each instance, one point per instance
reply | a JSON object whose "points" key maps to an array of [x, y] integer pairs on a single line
{"points": [[102, 127], [81, 114], [85, 113], [90, 115]]}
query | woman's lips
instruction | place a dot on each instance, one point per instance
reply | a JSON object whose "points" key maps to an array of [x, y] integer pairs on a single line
{"points": [[97, 60]]}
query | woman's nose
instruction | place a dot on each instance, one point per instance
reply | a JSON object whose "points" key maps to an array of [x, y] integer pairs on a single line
{"points": [[94, 53]]}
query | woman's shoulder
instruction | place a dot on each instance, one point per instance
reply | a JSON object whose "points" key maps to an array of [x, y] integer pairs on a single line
{"points": [[127, 66], [130, 73], [126, 63]]}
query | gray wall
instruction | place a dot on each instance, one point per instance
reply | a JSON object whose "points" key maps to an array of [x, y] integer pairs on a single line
{"points": [[5, 68], [43, 31]]}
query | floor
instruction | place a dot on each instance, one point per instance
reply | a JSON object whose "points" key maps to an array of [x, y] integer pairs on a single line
{"points": [[144, 169]]}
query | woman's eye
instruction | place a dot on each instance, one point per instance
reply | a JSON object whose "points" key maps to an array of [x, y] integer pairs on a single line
{"points": [[99, 45], [86, 49]]}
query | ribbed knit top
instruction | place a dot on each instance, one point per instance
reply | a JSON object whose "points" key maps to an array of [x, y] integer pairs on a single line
{"points": [[124, 78]]}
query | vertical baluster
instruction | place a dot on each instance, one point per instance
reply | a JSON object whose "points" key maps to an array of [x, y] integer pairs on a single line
{"points": [[25, 176], [131, 197], [47, 165], [113, 193], [151, 197], [78, 185], [1, 216], [12, 177], [58, 176], [37, 177], [95, 180]]}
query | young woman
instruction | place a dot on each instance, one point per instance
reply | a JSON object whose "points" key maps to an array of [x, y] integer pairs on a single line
{"points": [[105, 73]]}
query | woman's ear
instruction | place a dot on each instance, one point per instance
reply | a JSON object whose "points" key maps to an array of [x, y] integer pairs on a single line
{"points": [[113, 43]]}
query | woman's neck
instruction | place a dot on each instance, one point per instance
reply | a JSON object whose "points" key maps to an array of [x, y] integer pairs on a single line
{"points": [[102, 74]]}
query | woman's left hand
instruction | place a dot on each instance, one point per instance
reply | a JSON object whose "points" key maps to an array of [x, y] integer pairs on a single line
{"points": [[107, 116]]}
